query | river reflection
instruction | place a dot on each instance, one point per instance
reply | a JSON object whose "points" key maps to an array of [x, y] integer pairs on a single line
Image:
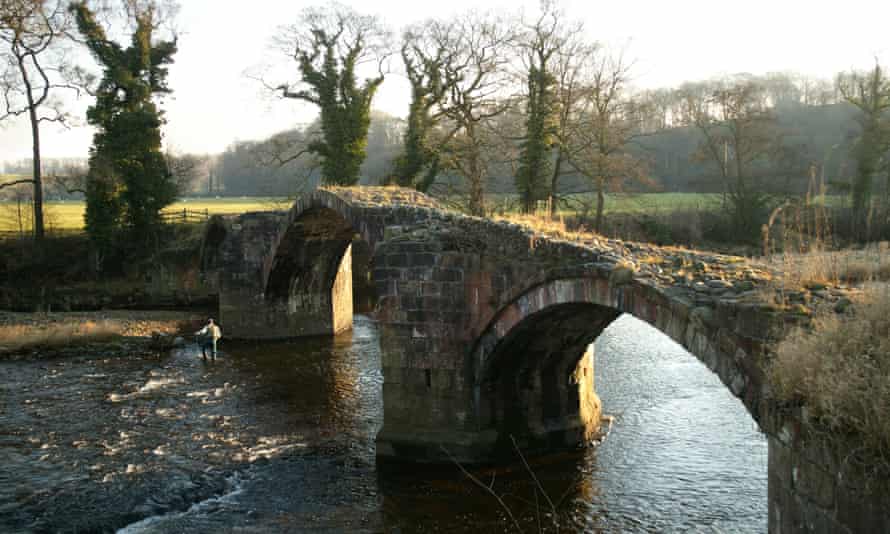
{"points": [[280, 437]]}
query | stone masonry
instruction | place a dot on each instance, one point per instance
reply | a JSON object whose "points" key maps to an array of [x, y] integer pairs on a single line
{"points": [[485, 326]]}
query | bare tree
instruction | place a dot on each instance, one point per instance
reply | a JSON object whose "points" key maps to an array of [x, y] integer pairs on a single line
{"points": [[739, 134], [14, 208], [574, 63], [31, 32], [476, 78], [188, 170], [599, 139]]}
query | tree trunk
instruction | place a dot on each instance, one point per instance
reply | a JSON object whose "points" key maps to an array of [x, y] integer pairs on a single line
{"points": [[38, 179], [477, 194], [21, 220], [35, 138], [477, 186], [600, 202], [554, 183]]}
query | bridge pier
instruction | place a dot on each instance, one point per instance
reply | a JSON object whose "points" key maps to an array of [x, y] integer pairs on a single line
{"points": [[431, 415]]}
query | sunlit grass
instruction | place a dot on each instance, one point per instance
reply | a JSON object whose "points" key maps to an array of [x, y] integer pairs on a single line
{"points": [[68, 215], [24, 331], [637, 203], [851, 266], [19, 337]]}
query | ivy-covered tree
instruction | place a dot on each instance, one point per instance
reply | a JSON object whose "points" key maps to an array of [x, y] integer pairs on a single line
{"points": [[129, 182], [541, 42], [329, 45], [870, 93], [425, 51], [535, 148], [104, 208]]}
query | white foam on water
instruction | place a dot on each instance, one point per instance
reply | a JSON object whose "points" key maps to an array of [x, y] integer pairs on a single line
{"points": [[235, 485]]}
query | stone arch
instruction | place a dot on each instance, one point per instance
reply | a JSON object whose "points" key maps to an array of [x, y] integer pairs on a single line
{"points": [[320, 216], [215, 233], [211, 255], [528, 366], [307, 277], [533, 367], [281, 270]]}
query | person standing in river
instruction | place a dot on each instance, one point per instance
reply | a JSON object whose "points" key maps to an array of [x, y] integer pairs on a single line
{"points": [[208, 336]]}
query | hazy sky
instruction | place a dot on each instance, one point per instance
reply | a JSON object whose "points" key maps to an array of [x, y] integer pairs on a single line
{"points": [[214, 103]]}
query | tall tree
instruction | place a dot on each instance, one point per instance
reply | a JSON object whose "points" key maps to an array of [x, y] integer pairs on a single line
{"points": [[476, 78], [870, 93], [539, 46], [31, 32], [575, 63], [740, 136], [607, 123], [425, 52], [129, 180], [329, 45]]}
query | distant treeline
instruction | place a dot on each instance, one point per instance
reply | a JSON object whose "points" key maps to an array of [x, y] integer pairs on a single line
{"points": [[821, 133], [813, 129]]}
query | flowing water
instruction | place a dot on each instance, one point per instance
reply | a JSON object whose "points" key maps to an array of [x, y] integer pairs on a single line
{"points": [[280, 438]]}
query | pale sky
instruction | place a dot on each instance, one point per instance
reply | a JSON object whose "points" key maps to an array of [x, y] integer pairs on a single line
{"points": [[215, 103]]}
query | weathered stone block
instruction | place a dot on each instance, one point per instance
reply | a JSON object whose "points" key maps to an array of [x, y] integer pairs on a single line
{"points": [[397, 260]]}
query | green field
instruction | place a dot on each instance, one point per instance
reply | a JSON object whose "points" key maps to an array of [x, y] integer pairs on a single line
{"points": [[68, 215], [619, 203]]}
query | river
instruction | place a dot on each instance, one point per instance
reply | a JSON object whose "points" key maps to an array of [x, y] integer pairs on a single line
{"points": [[280, 437]]}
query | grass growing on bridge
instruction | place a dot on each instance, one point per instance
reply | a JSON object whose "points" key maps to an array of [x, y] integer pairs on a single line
{"points": [[841, 372], [849, 266]]}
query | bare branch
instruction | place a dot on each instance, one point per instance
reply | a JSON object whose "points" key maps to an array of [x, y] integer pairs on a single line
{"points": [[16, 182], [486, 488]]}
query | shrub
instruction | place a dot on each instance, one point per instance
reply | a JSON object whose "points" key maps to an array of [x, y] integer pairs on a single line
{"points": [[841, 372]]}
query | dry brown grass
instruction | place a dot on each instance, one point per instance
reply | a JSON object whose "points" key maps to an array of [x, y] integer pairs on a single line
{"points": [[23, 331], [543, 224], [19, 337], [841, 372], [850, 266]]}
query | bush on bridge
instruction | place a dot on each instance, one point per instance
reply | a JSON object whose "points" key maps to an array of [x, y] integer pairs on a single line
{"points": [[841, 373]]}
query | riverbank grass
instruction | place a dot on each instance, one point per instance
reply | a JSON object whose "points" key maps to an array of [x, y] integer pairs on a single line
{"points": [[15, 338], [29, 332]]}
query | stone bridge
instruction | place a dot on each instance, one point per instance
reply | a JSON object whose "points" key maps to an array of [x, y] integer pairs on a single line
{"points": [[486, 327]]}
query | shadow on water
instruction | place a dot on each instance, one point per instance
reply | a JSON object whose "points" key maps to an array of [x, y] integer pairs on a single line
{"points": [[280, 437]]}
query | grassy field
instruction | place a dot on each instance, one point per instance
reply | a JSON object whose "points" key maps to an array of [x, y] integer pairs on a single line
{"points": [[68, 215], [619, 203]]}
